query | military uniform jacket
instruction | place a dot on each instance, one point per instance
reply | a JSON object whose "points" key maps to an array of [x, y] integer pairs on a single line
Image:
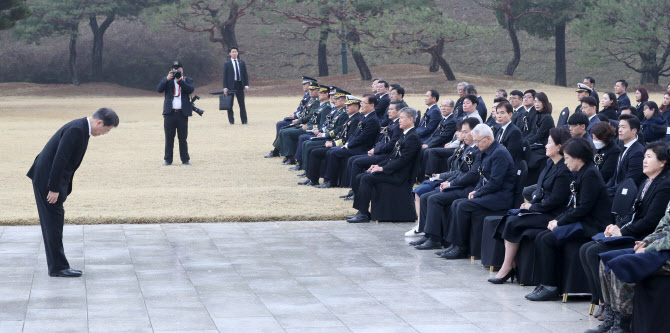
{"points": [[648, 210], [659, 240], [552, 193], [387, 138], [319, 116], [466, 174], [348, 129], [310, 109], [54, 167], [365, 133], [444, 132], [590, 203], [334, 126], [497, 179], [404, 155]]}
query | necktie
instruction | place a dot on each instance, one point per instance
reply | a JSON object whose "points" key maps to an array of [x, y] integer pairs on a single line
{"points": [[237, 71], [500, 133]]}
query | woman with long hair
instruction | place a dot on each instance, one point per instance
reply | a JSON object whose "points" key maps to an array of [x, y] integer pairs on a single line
{"points": [[641, 97]]}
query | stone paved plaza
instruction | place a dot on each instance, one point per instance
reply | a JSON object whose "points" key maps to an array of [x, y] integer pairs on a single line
{"points": [[260, 277]]}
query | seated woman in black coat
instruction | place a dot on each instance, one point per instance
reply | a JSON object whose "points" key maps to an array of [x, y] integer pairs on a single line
{"points": [[653, 125], [549, 199], [607, 151], [649, 208], [588, 214], [610, 106]]}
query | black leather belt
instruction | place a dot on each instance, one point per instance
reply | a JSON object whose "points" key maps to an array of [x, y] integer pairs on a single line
{"points": [[176, 110]]}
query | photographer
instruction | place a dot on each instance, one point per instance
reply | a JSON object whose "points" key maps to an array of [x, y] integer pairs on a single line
{"points": [[176, 109]]}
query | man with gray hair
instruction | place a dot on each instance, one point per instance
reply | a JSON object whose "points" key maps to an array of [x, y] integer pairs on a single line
{"points": [[494, 191], [458, 108], [396, 170]]}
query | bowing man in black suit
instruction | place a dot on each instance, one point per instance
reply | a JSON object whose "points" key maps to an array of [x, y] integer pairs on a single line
{"points": [[549, 199], [630, 159], [589, 212], [176, 110], [396, 170], [649, 208], [235, 77], [52, 173], [508, 134], [362, 139]]}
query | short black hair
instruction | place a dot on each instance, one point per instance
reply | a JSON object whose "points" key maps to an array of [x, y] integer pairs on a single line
{"points": [[372, 99], [108, 117], [396, 103], [470, 89], [633, 110], [503, 91], [472, 98], [435, 94], [560, 135], [578, 148], [530, 91], [508, 107], [500, 100], [399, 90], [623, 83], [472, 122], [632, 120], [386, 84], [591, 101], [591, 79], [516, 93], [578, 118], [233, 48]]}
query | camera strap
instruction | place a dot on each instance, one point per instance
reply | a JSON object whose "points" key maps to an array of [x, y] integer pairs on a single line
{"points": [[177, 89]]}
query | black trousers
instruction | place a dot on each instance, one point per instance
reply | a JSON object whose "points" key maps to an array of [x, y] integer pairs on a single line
{"points": [[437, 160], [239, 92], [334, 160], [461, 221], [548, 248], [420, 175], [316, 157], [436, 212], [175, 122], [588, 255], [52, 218], [365, 184], [357, 165]]}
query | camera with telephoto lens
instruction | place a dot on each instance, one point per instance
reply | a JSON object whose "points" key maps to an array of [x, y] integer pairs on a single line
{"points": [[196, 109], [176, 74]]}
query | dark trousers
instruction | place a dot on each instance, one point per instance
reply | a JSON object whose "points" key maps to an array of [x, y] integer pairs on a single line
{"points": [[461, 221], [436, 212], [365, 184], [52, 218], [316, 157], [548, 248], [420, 175], [334, 159], [588, 255], [239, 92], [357, 165], [437, 160], [175, 122], [281, 124]]}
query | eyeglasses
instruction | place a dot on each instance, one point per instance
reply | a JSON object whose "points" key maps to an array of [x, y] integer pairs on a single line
{"points": [[480, 140]]}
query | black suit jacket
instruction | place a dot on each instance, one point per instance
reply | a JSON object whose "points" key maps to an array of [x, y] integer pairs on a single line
{"points": [[517, 117], [623, 100], [54, 167], [552, 193], [650, 209], [349, 126], [404, 155], [429, 122], [481, 108], [528, 121], [167, 86], [512, 139], [229, 74], [382, 105], [593, 206], [388, 138], [629, 167], [365, 134], [540, 132], [444, 132], [606, 160], [467, 175]]}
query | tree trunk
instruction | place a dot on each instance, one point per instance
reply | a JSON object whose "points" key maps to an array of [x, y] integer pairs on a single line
{"points": [[511, 67], [72, 63], [434, 64], [228, 31], [561, 75], [649, 68], [436, 55], [98, 33], [354, 45], [323, 52]]}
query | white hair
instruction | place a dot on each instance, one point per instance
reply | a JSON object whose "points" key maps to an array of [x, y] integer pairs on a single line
{"points": [[462, 84], [483, 130]]}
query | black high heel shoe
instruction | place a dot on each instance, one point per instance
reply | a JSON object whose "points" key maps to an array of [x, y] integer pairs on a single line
{"points": [[502, 280]]}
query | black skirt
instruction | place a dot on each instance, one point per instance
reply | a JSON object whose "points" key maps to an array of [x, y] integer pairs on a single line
{"points": [[514, 228]]}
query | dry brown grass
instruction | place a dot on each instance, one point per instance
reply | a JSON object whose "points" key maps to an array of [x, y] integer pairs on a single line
{"points": [[122, 181]]}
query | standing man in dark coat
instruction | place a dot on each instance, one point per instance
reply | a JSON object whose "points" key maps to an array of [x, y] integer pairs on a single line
{"points": [[52, 173], [396, 170], [235, 78], [176, 110]]}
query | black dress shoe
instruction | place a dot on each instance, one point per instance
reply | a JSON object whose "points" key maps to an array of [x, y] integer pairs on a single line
{"points": [[286, 158], [351, 192], [167, 163], [303, 175], [350, 198], [273, 153], [543, 294], [359, 218], [291, 161], [295, 168], [307, 182], [455, 253], [66, 273], [419, 241], [186, 163], [441, 252], [326, 184], [429, 245]]}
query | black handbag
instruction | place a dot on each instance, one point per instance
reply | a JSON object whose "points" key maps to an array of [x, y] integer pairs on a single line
{"points": [[226, 101]]}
